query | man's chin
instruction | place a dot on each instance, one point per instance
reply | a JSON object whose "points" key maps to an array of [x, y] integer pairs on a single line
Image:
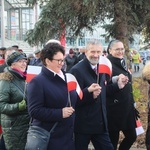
{"points": [[94, 63]]}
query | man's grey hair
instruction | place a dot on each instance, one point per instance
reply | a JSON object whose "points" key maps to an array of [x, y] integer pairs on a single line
{"points": [[93, 42]]}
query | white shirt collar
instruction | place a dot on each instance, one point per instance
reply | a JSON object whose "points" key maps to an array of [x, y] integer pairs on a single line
{"points": [[92, 66], [60, 74]]}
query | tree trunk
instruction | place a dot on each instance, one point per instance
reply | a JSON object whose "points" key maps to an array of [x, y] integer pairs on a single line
{"points": [[121, 30]]}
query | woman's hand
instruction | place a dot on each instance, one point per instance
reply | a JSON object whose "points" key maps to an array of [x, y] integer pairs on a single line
{"points": [[67, 112], [122, 81]]}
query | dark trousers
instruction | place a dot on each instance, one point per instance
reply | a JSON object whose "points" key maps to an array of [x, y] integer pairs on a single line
{"points": [[2, 144], [99, 141], [130, 137]]}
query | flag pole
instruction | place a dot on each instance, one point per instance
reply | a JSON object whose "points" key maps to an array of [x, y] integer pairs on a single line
{"points": [[69, 100], [97, 73]]}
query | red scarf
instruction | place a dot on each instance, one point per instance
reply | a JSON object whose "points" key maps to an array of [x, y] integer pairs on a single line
{"points": [[24, 74]]}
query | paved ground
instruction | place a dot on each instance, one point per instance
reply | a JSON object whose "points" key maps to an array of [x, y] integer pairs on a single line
{"points": [[91, 148], [138, 74]]}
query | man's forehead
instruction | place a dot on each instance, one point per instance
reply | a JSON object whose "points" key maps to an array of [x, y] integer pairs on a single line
{"points": [[95, 47]]}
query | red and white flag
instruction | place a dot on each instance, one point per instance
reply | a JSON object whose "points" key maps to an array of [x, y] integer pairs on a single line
{"points": [[73, 85], [32, 71], [105, 66], [139, 128]]}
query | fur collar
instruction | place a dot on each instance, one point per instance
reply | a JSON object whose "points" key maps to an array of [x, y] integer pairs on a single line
{"points": [[6, 76]]}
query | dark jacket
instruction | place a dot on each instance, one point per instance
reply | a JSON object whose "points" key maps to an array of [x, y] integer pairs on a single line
{"points": [[70, 62], [2, 67], [90, 113], [14, 123], [35, 62], [120, 106], [47, 95]]}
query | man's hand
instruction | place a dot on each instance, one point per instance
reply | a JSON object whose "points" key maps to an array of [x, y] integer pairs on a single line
{"points": [[122, 81], [96, 89]]}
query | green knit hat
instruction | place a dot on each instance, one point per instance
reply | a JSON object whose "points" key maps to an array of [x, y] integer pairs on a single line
{"points": [[14, 57]]}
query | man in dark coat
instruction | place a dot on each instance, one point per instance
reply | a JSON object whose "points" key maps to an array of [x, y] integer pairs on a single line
{"points": [[90, 121], [36, 61]]}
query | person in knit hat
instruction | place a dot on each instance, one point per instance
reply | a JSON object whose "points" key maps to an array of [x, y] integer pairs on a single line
{"points": [[146, 77], [36, 61], [70, 60], [13, 110]]}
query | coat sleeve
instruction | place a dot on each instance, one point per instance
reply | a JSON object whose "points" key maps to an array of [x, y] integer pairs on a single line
{"points": [[6, 107], [112, 88]]}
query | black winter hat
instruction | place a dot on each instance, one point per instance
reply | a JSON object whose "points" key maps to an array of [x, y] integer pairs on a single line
{"points": [[14, 57]]}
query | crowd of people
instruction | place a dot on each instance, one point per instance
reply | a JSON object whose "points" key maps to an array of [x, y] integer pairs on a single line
{"points": [[106, 108]]}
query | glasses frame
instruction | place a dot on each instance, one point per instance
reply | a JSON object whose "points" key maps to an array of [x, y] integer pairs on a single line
{"points": [[22, 61], [60, 61], [119, 49]]}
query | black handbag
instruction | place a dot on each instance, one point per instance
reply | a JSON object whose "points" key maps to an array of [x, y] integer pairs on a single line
{"points": [[38, 138]]}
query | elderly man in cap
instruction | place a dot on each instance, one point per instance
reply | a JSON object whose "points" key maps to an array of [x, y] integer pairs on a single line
{"points": [[8, 51], [36, 61], [2, 52]]}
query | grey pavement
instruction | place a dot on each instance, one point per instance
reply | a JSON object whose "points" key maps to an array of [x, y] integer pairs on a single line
{"points": [[91, 148], [138, 74]]}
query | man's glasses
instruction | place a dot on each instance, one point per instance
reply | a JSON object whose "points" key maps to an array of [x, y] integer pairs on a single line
{"points": [[60, 61]]}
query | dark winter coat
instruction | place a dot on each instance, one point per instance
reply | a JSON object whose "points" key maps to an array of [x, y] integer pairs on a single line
{"points": [[14, 123], [146, 77], [47, 95], [90, 113], [70, 62], [120, 106], [2, 67], [35, 62]]}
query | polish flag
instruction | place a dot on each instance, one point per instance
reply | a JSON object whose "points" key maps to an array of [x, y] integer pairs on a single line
{"points": [[105, 66], [73, 85], [139, 128], [32, 71]]}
